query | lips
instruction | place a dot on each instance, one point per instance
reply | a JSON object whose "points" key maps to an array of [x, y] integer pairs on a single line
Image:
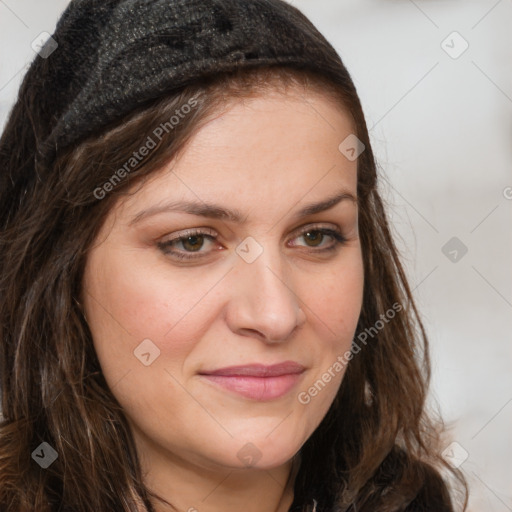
{"points": [[257, 381], [258, 370]]}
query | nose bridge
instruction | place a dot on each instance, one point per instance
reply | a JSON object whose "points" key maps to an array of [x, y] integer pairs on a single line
{"points": [[263, 296]]}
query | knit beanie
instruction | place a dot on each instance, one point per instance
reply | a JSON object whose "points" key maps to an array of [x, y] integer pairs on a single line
{"points": [[107, 57]]}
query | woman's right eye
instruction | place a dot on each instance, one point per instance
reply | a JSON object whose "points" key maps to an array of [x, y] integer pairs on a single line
{"points": [[192, 242]]}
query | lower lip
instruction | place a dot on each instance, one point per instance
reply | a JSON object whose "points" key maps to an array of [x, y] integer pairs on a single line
{"points": [[257, 388]]}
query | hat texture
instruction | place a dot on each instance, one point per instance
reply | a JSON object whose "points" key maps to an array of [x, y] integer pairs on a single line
{"points": [[112, 56]]}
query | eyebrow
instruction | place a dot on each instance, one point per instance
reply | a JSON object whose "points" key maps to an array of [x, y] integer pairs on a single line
{"points": [[214, 211]]}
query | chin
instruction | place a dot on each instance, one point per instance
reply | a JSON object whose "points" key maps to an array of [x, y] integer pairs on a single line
{"points": [[261, 453]]}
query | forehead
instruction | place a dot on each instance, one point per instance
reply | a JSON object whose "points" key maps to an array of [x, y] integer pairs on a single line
{"points": [[277, 147]]}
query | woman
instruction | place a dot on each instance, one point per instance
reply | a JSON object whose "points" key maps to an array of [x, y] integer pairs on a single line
{"points": [[176, 179]]}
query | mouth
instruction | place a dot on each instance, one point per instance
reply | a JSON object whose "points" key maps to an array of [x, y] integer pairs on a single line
{"points": [[257, 381]]}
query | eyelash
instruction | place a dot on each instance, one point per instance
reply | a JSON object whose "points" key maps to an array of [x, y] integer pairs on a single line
{"points": [[336, 234]]}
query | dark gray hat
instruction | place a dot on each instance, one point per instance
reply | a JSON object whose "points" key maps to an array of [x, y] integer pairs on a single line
{"points": [[108, 57], [113, 56]]}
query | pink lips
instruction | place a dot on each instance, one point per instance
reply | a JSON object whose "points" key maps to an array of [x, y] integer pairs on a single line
{"points": [[257, 381]]}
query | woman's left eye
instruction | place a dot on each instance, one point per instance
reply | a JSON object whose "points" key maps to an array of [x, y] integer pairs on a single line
{"points": [[192, 241]]}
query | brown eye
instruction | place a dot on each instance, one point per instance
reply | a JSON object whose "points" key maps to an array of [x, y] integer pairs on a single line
{"points": [[183, 247], [314, 236], [193, 243]]}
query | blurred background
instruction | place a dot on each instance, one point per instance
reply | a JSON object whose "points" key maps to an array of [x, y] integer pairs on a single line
{"points": [[435, 81]]}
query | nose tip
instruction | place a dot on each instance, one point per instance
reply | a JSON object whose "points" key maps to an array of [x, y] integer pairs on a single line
{"points": [[276, 337], [264, 302]]}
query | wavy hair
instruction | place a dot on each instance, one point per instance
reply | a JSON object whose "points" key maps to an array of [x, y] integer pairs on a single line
{"points": [[377, 447]]}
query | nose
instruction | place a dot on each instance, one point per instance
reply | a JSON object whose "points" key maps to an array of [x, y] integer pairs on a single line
{"points": [[263, 301]]}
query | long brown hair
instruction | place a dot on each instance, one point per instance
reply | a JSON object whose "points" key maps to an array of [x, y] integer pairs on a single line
{"points": [[376, 449]]}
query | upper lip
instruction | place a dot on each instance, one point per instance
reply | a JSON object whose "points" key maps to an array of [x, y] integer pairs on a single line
{"points": [[259, 370]]}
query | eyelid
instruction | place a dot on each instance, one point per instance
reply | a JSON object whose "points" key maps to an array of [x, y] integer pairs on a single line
{"points": [[315, 225], [191, 232]]}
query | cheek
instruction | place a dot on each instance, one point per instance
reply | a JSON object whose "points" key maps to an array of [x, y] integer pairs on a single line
{"points": [[125, 309], [336, 301], [334, 307], [127, 303]]}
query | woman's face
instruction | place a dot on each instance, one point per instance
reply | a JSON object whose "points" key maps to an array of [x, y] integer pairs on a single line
{"points": [[261, 285]]}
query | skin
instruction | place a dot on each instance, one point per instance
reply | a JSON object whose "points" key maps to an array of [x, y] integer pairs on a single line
{"points": [[268, 157]]}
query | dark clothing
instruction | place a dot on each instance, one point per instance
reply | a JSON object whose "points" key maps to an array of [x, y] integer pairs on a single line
{"points": [[389, 487]]}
